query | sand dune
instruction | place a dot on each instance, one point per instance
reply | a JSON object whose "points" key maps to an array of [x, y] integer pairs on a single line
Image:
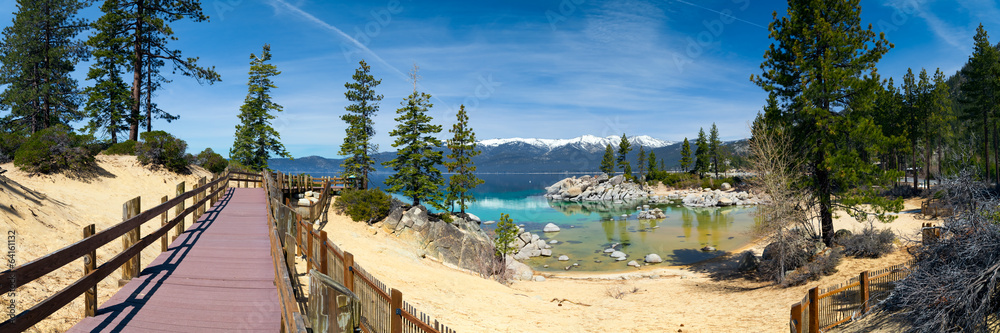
{"points": [[48, 212]]}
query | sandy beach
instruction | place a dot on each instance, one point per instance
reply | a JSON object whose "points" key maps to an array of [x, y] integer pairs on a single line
{"points": [[49, 212]]}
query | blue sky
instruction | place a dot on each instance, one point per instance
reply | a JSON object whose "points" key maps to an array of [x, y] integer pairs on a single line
{"points": [[550, 69]]}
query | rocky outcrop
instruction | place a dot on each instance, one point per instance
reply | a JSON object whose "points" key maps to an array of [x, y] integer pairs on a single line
{"points": [[461, 242], [652, 214], [596, 188], [716, 198]]}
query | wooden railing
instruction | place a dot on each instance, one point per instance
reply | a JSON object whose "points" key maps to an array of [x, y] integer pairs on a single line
{"points": [[823, 309], [86, 249], [382, 308]]}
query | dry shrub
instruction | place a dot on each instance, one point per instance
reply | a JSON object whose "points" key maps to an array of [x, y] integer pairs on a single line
{"points": [[870, 243], [824, 264], [953, 285], [619, 290]]}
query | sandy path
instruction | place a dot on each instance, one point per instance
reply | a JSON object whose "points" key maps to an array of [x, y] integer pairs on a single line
{"points": [[49, 212], [664, 298]]}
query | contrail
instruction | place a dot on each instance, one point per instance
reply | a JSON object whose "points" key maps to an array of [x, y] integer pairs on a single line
{"points": [[339, 32], [720, 13]]}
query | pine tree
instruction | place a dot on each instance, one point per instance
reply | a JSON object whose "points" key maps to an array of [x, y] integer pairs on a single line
{"points": [[685, 155], [624, 147], [463, 148], [702, 156], [940, 115], [360, 119], [148, 34], [38, 53], [821, 67], [255, 139], [980, 89], [714, 149], [652, 164], [417, 175], [109, 97], [608, 162], [642, 163]]}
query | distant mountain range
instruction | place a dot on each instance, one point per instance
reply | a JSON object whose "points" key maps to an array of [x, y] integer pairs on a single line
{"points": [[519, 155]]}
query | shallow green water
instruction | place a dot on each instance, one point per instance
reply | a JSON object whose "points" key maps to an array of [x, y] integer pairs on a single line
{"points": [[589, 228]]}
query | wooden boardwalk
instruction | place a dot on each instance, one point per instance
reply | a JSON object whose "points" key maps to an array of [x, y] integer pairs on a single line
{"points": [[218, 276]]}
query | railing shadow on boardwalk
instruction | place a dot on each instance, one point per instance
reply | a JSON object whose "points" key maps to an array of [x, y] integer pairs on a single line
{"points": [[151, 273]]}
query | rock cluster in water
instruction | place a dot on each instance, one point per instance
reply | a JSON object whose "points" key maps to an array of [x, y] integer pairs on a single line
{"points": [[716, 198], [596, 188], [530, 245]]}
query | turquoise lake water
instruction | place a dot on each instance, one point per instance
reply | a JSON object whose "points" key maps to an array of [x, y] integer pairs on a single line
{"points": [[588, 228]]}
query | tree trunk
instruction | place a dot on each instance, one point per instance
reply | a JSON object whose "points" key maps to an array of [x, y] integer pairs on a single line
{"points": [[149, 97], [825, 205], [914, 166], [986, 145], [133, 131]]}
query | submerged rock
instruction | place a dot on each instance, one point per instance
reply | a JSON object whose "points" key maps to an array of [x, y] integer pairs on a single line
{"points": [[563, 258], [653, 258]]}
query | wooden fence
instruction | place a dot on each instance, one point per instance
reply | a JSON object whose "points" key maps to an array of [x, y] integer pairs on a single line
{"points": [[822, 309], [129, 230], [382, 308]]}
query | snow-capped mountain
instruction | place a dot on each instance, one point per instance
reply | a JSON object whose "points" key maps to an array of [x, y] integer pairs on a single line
{"points": [[588, 142], [517, 155]]}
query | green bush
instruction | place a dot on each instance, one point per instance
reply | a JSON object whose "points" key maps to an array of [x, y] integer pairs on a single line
{"points": [[675, 179], [162, 149], [121, 148], [369, 205], [56, 149], [211, 161], [9, 142]]}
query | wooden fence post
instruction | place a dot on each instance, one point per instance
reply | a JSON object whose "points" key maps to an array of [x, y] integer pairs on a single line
{"points": [[814, 310], [865, 287], [797, 318], [290, 254], [396, 306], [309, 248], [179, 229], [349, 271], [131, 268], [323, 267], [298, 232], [163, 222], [89, 265]]}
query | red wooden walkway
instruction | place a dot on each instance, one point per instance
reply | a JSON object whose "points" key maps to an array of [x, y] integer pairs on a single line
{"points": [[216, 277]]}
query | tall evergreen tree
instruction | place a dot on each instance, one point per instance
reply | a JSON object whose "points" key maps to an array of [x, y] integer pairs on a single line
{"points": [[109, 97], [821, 66], [641, 163], [608, 162], [462, 149], [417, 175], [38, 53], [702, 156], [624, 147], [714, 149], [980, 90], [940, 116], [255, 139], [652, 163], [685, 155], [149, 32], [360, 119]]}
